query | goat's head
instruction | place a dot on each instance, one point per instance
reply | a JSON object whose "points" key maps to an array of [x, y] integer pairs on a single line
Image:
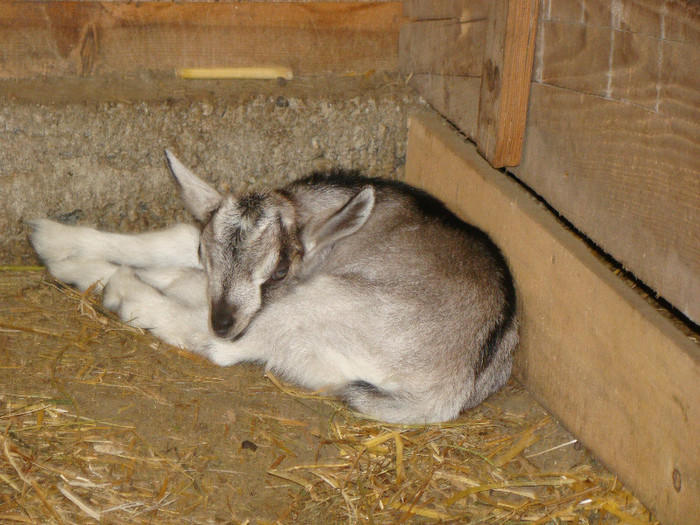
{"points": [[254, 248]]}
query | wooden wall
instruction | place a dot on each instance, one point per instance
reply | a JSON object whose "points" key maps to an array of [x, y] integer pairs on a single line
{"points": [[441, 49], [595, 104], [472, 60], [612, 139], [60, 38], [619, 375], [613, 133]]}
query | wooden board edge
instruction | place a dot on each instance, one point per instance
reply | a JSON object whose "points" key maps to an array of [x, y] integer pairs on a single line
{"points": [[619, 376], [508, 61]]}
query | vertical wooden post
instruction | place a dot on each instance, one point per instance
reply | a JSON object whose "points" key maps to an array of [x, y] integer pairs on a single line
{"points": [[505, 81]]}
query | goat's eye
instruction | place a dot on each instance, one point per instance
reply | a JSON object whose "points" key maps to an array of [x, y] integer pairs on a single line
{"points": [[279, 273]]}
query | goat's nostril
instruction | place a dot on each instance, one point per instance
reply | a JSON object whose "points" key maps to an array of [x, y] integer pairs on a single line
{"points": [[221, 322]]}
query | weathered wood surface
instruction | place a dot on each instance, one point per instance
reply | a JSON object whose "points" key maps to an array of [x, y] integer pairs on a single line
{"points": [[453, 96], [441, 51], [668, 19], [451, 41], [69, 38], [442, 47], [613, 137], [629, 179], [506, 76], [462, 10], [620, 376], [655, 73]]}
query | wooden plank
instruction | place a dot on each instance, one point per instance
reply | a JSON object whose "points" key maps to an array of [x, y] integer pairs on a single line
{"points": [[463, 10], [678, 87], [620, 376], [660, 75], [627, 178], [67, 37], [443, 47], [681, 20], [575, 56], [508, 58], [457, 98], [625, 174], [673, 20], [442, 53]]}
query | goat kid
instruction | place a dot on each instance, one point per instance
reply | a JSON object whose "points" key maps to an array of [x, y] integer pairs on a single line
{"points": [[364, 287]]}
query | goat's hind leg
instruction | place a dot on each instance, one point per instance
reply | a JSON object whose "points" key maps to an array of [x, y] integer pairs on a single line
{"points": [[82, 256]]}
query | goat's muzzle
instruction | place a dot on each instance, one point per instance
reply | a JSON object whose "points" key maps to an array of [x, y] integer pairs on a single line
{"points": [[222, 319]]}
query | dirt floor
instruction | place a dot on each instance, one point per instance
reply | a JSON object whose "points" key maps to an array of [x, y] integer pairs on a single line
{"points": [[100, 423]]}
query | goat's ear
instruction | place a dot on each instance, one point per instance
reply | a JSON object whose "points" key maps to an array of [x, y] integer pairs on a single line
{"points": [[200, 198], [346, 221]]}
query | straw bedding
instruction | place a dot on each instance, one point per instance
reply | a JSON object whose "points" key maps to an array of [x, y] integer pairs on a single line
{"points": [[101, 423]]}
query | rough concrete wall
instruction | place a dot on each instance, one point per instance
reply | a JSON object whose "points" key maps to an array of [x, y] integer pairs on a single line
{"points": [[101, 162]]}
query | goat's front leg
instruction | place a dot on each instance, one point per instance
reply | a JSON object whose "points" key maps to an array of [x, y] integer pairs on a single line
{"points": [[175, 311], [140, 304], [82, 256]]}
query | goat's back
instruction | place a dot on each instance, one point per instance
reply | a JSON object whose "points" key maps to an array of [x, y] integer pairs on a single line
{"points": [[439, 283]]}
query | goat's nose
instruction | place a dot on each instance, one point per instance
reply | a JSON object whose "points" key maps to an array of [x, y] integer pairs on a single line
{"points": [[221, 320]]}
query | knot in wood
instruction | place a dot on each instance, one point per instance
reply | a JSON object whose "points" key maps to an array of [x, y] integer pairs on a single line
{"points": [[492, 74]]}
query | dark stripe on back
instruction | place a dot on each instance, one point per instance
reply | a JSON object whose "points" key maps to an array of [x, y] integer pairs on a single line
{"points": [[495, 337]]}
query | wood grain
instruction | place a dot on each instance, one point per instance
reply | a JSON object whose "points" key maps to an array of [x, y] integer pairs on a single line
{"points": [[678, 88], [657, 74], [441, 51], [443, 47], [621, 377], [613, 140], [673, 20], [462, 10], [508, 59], [457, 98], [68, 38], [574, 56], [627, 178]]}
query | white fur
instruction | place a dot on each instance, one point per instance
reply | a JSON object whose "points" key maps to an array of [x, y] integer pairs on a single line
{"points": [[293, 336]]}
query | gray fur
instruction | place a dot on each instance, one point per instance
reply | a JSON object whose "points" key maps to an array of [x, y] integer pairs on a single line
{"points": [[365, 288]]}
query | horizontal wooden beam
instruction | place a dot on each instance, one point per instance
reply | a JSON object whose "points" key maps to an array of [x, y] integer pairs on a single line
{"points": [[80, 38], [620, 376], [658, 74], [676, 20]]}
